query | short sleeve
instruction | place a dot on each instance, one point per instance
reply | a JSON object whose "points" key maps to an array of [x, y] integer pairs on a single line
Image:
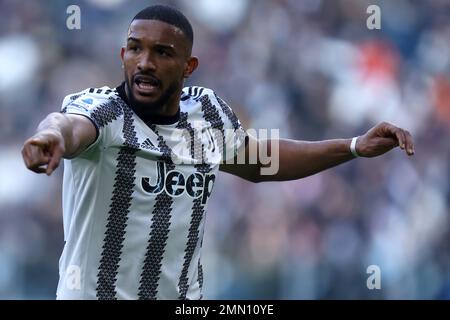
{"points": [[234, 134], [101, 110]]}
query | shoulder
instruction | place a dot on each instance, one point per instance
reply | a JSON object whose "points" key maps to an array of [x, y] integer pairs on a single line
{"points": [[206, 97], [202, 100], [211, 105], [101, 105], [196, 93], [89, 97]]}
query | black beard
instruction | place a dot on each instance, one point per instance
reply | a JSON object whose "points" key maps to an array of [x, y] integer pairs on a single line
{"points": [[150, 108]]}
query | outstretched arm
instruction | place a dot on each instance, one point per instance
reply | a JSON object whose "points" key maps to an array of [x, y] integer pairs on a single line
{"points": [[299, 159], [58, 135]]}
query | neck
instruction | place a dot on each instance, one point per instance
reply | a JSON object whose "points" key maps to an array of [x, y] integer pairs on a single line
{"points": [[168, 113]]}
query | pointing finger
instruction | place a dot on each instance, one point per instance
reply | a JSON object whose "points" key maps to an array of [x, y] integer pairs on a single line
{"points": [[54, 161]]}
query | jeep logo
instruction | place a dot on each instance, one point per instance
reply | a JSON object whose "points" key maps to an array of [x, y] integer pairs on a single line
{"points": [[175, 183]]}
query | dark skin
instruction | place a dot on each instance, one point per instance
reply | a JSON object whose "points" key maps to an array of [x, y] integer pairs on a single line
{"points": [[300, 159], [160, 53], [156, 60]]}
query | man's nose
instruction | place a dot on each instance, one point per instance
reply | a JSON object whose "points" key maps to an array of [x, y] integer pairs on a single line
{"points": [[146, 63]]}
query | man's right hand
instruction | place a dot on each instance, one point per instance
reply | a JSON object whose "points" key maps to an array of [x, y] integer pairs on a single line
{"points": [[43, 152], [59, 135]]}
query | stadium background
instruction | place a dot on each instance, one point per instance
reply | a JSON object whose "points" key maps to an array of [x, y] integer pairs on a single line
{"points": [[310, 68]]}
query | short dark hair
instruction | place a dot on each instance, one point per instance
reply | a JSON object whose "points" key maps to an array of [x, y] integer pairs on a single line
{"points": [[168, 15]]}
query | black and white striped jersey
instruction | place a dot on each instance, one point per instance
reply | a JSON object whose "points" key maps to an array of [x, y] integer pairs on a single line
{"points": [[134, 201]]}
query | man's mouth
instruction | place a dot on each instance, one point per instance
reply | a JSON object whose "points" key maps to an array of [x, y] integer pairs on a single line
{"points": [[146, 85]]}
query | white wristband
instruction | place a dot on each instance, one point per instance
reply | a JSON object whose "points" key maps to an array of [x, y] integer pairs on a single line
{"points": [[353, 147]]}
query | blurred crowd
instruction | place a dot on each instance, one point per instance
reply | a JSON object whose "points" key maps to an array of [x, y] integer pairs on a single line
{"points": [[310, 68]]}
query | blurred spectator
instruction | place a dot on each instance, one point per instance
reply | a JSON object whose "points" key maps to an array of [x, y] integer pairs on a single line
{"points": [[310, 68]]}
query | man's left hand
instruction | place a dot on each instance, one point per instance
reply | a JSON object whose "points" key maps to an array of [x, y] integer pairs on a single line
{"points": [[382, 138]]}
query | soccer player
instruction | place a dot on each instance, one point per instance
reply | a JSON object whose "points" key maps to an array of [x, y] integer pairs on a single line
{"points": [[140, 161]]}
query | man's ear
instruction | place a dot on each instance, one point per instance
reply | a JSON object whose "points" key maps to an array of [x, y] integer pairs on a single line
{"points": [[191, 65], [122, 53]]}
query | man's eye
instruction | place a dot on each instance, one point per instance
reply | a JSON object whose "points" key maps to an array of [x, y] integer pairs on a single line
{"points": [[133, 49], [163, 53]]}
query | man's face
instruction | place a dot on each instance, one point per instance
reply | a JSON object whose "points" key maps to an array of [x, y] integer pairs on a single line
{"points": [[156, 60]]}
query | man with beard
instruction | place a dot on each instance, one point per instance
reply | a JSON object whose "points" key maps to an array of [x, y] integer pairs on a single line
{"points": [[140, 162]]}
